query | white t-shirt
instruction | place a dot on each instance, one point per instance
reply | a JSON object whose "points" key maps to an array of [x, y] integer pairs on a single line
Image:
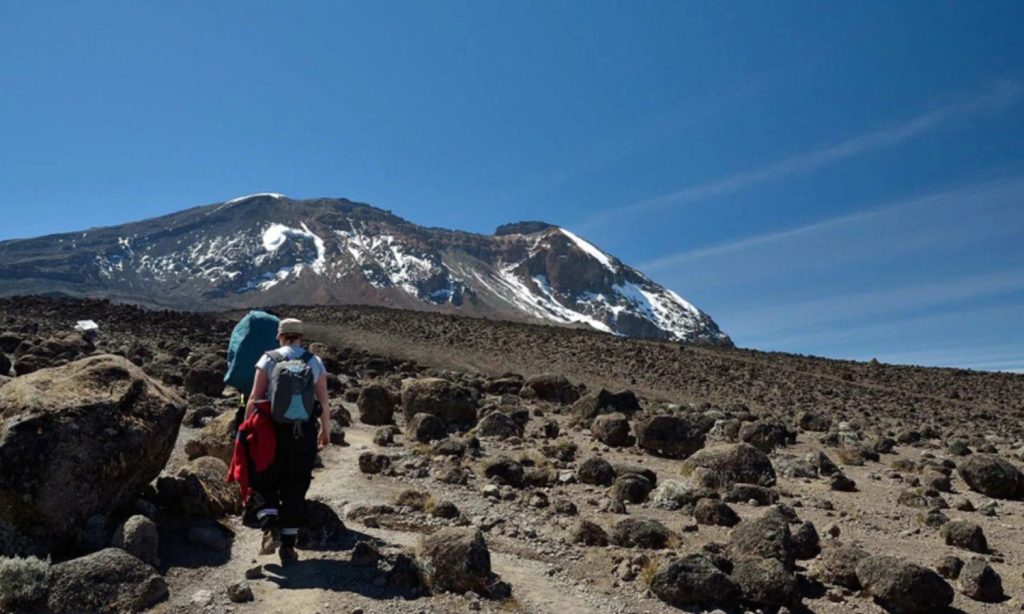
{"points": [[290, 352]]}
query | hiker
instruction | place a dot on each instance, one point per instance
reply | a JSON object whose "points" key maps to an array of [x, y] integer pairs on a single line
{"points": [[290, 382]]}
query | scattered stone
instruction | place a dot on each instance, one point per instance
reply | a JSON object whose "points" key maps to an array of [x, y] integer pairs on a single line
{"points": [[695, 580], [992, 476], [240, 592], [765, 435], [373, 463], [714, 512], [965, 534], [110, 580], [457, 560], [611, 429], [138, 536], [588, 533], [499, 425], [949, 567], [597, 471], [724, 465], [903, 586], [980, 582], [451, 403], [505, 471], [840, 483], [641, 533], [764, 582], [806, 541], [425, 428], [766, 537], [552, 388], [669, 436], [376, 405], [631, 488], [838, 565]]}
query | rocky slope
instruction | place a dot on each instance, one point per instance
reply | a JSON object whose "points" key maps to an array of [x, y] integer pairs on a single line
{"points": [[268, 249], [641, 476]]}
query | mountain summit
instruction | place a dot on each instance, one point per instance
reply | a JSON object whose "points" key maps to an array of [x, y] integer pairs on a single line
{"points": [[266, 249]]}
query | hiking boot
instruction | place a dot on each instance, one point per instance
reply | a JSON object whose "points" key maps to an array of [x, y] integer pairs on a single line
{"points": [[271, 541], [288, 555]]}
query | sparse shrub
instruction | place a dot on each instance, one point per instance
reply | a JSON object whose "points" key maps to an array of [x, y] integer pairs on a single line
{"points": [[648, 571], [23, 581]]}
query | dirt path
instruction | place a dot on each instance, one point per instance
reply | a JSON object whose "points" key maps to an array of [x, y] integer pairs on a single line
{"points": [[324, 581]]}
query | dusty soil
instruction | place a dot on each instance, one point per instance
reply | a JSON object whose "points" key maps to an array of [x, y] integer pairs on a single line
{"points": [[530, 546]]}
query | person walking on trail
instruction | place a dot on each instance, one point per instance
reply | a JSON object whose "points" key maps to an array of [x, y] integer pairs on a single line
{"points": [[290, 383]]}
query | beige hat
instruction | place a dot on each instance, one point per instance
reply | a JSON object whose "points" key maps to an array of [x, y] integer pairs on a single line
{"points": [[290, 326]]}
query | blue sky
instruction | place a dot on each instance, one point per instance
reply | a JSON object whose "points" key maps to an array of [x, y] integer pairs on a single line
{"points": [[841, 179]]}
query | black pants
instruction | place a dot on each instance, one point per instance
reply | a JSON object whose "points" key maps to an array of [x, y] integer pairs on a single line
{"points": [[282, 487]]}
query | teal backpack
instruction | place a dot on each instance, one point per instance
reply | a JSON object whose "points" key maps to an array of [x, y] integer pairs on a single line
{"points": [[252, 337]]}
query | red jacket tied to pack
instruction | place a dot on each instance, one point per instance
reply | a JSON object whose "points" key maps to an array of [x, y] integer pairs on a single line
{"points": [[255, 446]]}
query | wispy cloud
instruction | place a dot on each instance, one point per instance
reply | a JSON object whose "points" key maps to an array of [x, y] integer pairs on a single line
{"points": [[1001, 95], [888, 301], [954, 216]]}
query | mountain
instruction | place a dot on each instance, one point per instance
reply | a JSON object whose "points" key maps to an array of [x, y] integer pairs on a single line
{"points": [[267, 249]]}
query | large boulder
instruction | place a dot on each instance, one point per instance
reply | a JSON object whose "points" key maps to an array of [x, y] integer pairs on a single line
{"points": [[206, 376], [694, 580], [217, 439], [200, 489], [992, 476], [79, 441], [376, 405], [670, 436], [723, 465], [452, 403], [901, 586], [110, 580], [457, 560], [552, 388]]}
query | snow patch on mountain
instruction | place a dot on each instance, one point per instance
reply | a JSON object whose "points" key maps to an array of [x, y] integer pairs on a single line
{"points": [[591, 250], [257, 195], [385, 262]]}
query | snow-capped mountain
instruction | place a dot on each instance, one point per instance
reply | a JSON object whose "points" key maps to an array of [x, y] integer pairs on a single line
{"points": [[266, 249]]}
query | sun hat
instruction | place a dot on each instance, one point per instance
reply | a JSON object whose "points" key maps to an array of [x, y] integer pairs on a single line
{"points": [[290, 326]]}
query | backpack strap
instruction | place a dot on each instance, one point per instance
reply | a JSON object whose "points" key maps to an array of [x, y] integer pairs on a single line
{"points": [[306, 356], [275, 356]]}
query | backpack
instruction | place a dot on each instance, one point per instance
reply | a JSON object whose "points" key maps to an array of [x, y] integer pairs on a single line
{"points": [[254, 335], [292, 380]]}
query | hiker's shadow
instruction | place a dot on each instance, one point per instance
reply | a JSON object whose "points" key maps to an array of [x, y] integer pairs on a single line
{"points": [[339, 576]]}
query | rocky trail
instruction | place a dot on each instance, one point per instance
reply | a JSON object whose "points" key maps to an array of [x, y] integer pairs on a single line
{"points": [[485, 466]]}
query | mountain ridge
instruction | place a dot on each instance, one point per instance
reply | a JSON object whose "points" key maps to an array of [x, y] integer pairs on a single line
{"points": [[268, 248]]}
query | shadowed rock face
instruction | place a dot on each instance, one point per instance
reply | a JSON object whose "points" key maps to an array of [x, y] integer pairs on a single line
{"points": [[80, 440], [269, 249]]}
